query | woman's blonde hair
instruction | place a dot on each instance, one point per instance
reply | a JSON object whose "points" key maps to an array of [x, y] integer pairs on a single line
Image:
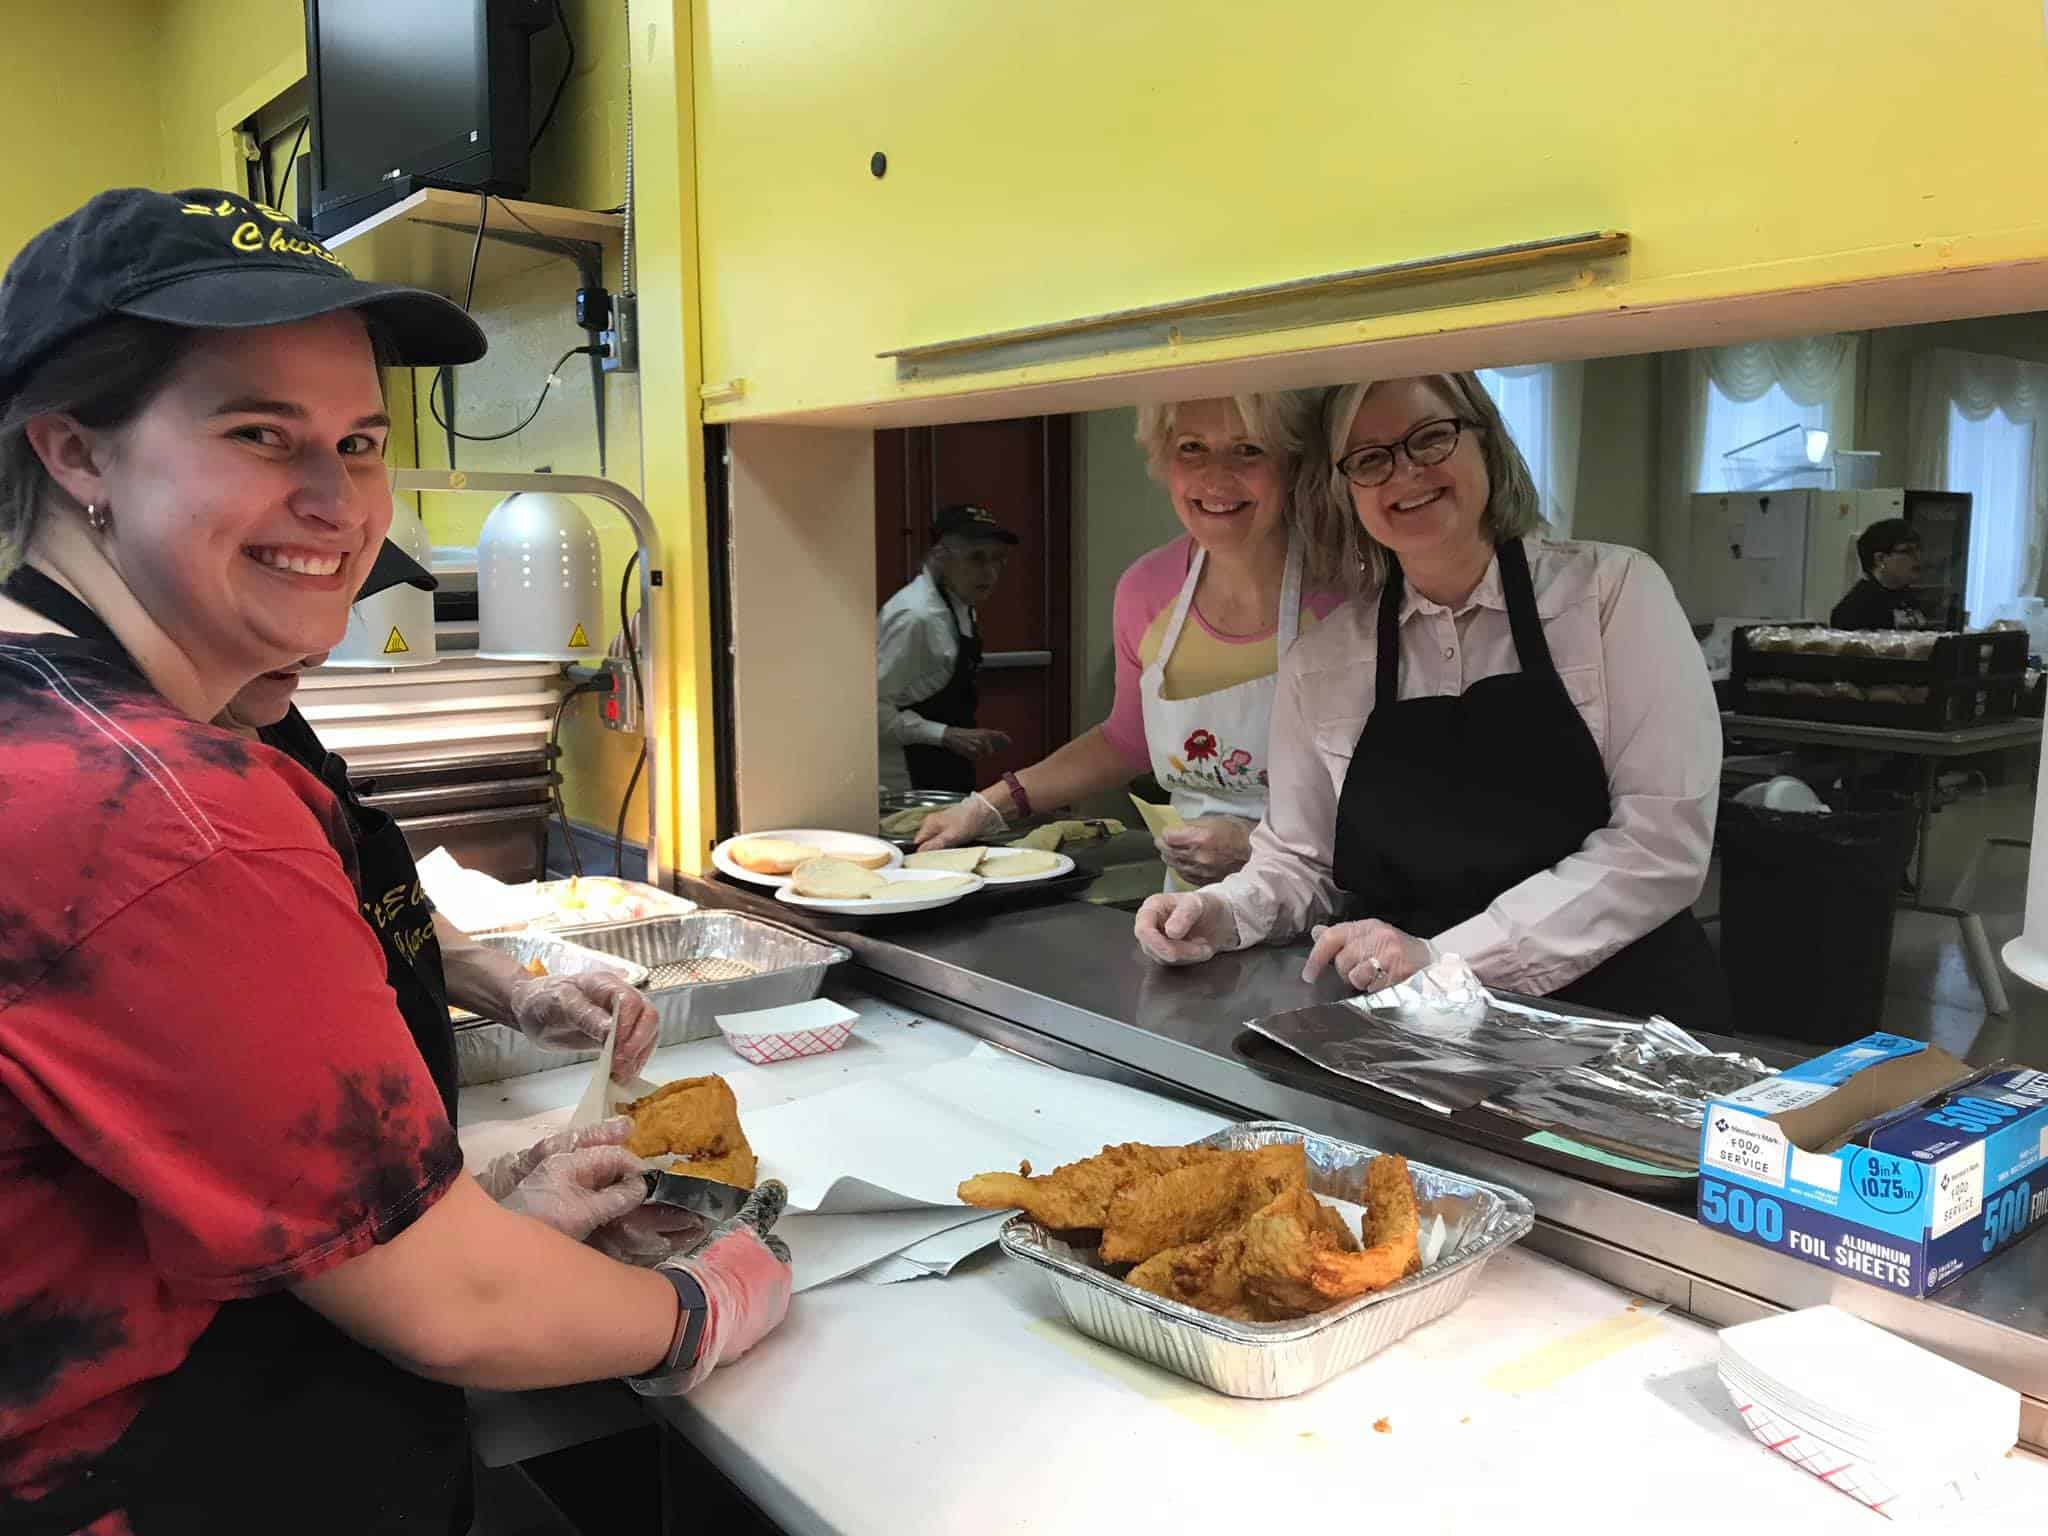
{"points": [[102, 379], [1513, 507], [1287, 424]]}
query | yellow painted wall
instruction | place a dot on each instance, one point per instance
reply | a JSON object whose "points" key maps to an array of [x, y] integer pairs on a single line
{"points": [[1068, 158], [206, 53], [73, 132], [214, 52]]}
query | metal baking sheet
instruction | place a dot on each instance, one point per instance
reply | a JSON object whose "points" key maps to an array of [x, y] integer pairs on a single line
{"points": [[705, 963], [1266, 1360]]}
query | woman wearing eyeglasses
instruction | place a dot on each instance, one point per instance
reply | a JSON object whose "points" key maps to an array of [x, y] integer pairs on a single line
{"points": [[1505, 748]]}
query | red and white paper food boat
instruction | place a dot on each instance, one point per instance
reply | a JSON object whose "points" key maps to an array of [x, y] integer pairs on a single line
{"points": [[1892, 1425], [784, 1034]]}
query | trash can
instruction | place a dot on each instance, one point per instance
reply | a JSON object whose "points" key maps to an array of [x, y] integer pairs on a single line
{"points": [[1807, 900]]}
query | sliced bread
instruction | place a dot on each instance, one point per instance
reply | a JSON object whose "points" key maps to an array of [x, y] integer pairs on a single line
{"points": [[835, 880], [959, 861]]}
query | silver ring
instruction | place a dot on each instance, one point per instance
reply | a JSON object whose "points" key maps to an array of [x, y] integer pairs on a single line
{"points": [[1379, 972]]}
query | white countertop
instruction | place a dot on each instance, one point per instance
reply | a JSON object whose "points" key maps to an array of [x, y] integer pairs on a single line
{"points": [[968, 1404]]}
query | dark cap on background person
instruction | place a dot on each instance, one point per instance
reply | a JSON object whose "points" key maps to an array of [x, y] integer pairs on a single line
{"points": [[962, 521], [203, 259]]}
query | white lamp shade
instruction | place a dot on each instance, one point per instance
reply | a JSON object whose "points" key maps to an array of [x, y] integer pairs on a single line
{"points": [[2027, 955], [396, 627], [539, 582]]}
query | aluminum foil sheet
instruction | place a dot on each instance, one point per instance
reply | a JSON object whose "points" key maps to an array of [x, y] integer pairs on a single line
{"points": [[1382, 1053], [1648, 1091], [1265, 1360], [1631, 1083], [705, 963]]}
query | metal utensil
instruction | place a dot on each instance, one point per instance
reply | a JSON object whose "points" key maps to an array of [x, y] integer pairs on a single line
{"points": [[707, 1197]]}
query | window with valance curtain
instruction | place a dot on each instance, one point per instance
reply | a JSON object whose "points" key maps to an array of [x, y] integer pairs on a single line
{"points": [[1717, 398], [1543, 404], [1977, 425]]}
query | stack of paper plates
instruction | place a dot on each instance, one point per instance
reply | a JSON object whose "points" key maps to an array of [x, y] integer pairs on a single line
{"points": [[1882, 1420]]}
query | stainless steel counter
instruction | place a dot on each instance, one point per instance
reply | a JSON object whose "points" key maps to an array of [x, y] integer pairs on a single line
{"points": [[1065, 983]]}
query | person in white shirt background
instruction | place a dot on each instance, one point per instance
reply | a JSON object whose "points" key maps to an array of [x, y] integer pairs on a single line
{"points": [[1504, 747], [928, 650]]}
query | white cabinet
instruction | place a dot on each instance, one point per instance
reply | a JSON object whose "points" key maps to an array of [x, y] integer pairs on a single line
{"points": [[1776, 554]]}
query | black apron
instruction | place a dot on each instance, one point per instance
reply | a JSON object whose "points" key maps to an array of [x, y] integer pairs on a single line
{"points": [[954, 704], [395, 907], [1450, 801], [276, 1417]]}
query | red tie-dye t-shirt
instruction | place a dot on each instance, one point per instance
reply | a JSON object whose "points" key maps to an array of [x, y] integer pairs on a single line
{"points": [[207, 1092]]}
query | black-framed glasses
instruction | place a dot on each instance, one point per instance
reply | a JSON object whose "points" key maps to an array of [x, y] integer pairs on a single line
{"points": [[1431, 442]]}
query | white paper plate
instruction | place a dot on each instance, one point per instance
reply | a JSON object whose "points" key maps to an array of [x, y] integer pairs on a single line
{"points": [[875, 907], [992, 863], [825, 841]]}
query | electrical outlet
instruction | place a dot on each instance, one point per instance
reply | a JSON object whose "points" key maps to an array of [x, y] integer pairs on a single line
{"points": [[620, 708], [622, 342]]}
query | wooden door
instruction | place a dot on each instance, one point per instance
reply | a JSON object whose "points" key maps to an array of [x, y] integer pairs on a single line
{"points": [[1020, 471]]}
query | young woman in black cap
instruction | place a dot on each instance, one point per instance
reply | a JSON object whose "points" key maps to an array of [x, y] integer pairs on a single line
{"points": [[244, 1272]]}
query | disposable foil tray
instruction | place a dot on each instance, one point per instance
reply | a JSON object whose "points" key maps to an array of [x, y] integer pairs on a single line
{"points": [[705, 963], [1265, 1360]]}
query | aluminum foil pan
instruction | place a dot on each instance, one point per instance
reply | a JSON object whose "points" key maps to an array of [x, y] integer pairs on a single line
{"points": [[705, 963], [1266, 1360]]}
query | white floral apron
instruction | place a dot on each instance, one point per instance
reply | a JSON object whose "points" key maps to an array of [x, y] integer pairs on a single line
{"points": [[1209, 752]]}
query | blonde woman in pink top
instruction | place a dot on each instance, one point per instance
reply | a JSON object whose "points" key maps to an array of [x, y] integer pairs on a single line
{"points": [[1200, 627]]}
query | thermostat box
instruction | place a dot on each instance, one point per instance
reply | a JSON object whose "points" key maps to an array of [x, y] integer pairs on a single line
{"points": [[1888, 1160]]}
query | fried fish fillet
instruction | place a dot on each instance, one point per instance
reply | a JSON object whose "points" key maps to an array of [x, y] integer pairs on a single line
{"points": [[1210, 1275], [1078, 1194], [695, 1118], [735, 1167], [1186, 1205], [1293, 1256], [1290, 1261]]}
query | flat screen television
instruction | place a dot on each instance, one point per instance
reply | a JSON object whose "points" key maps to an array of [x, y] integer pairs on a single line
{"points": [[417, 93]]}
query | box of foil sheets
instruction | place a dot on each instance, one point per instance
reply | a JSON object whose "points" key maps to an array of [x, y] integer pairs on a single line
{"points": [[1887, 1160]]}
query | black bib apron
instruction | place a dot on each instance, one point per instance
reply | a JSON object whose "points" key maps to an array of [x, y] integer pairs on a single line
{"points": [[276, 1419], [954, 704], [1448, 802], [393, 904]]}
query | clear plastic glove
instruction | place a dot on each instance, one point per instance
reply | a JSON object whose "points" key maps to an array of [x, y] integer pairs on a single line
{"points": [[501, 1175], [574, 1013], [1206, 849], [651, 1234], [958, 825], [1369, 954], [1185, 927], [578, 1192], [744, 1274]]}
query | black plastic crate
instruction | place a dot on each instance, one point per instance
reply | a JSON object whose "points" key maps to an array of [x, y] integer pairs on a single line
{"points": [[1968, 679]]}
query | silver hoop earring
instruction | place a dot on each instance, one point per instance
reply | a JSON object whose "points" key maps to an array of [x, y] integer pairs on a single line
{"points": [[96, 517]]}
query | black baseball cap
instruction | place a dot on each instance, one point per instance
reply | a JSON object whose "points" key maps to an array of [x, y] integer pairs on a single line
{"points": [[209, 260], [966, 522], [395, 568]]}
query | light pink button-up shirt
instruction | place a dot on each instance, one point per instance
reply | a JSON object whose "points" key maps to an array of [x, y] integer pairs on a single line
{"points": [[1632, 667]]}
